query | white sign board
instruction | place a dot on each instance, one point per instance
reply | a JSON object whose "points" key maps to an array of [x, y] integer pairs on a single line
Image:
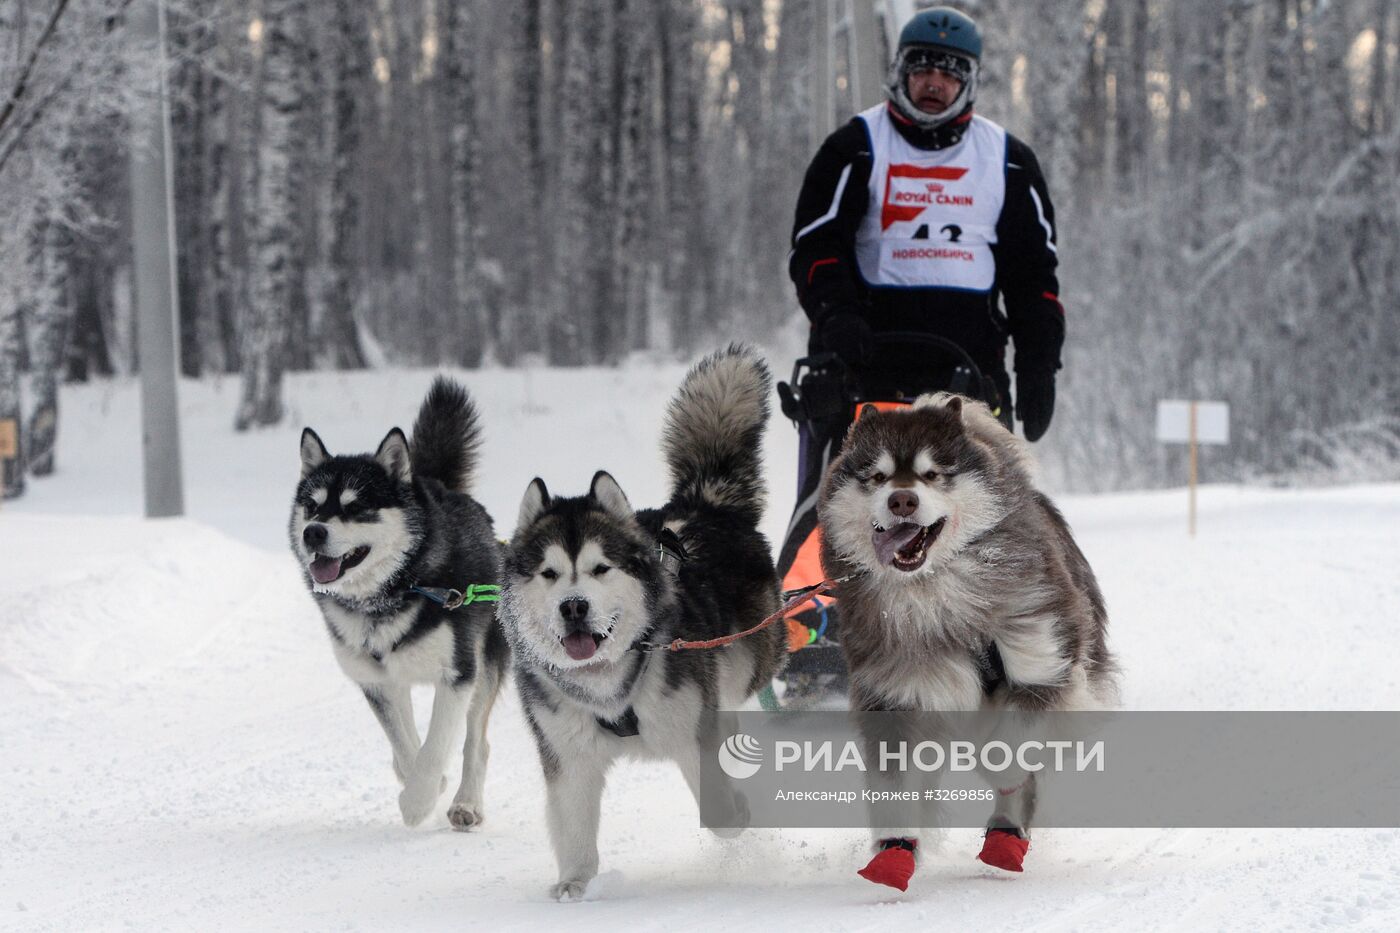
{"points": [[1174, 422]]}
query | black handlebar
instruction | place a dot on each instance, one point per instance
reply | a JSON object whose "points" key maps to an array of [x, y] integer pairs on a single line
{"points": [[950, 349], [929, 340]]}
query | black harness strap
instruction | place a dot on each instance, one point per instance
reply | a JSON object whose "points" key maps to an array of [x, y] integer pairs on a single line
{"points": [[624, 726], [670, 551], [990, 666]]}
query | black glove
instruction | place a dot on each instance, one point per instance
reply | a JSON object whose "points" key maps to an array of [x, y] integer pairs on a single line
{"points": [[1035, 401], [849, 336]]}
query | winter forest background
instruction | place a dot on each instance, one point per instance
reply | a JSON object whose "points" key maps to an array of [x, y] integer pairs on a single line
{"points": [[574, 182]]}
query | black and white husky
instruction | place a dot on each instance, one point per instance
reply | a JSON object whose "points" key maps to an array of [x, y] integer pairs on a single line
{"points": [[589, 585], [379, 538], [966, 589]]}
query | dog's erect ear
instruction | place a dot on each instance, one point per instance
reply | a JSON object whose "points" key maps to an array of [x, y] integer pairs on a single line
{"points": [[949, 402], [866, 411], [536, 501], [609, 495], [392, 455], [313, 452]]}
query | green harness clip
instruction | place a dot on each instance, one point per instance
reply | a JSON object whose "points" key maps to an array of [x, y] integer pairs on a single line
{"points": [[453, 599]]}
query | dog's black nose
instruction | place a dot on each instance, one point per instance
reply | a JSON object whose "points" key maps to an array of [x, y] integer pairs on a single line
{"points": [[903, 503], [314, 536], [574, 610]]}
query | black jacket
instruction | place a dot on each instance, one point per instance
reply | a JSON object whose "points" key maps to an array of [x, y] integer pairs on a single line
{"points": [[823, 264]]}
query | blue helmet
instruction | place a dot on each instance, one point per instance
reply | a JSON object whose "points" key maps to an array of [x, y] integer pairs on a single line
{"points": [[942, 38], [943, 28]]}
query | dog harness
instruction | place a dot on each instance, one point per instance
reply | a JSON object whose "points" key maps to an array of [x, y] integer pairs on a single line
{"points": [[990, 666], [624, 726], [450, 599], [670, 551]]}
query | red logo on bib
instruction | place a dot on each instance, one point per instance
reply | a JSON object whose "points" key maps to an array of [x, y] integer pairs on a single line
{"points": [[910, 190]]}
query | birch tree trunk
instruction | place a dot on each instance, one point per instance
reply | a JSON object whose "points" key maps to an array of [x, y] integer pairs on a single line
{"points": [[49, 324], [189, 111], [273, 226], [682, 275], [636, 48], [740, 309], [338, 334], [11, 469], [217, 327], [527, 333], [460, 69], [570, 307], [302, 242]]}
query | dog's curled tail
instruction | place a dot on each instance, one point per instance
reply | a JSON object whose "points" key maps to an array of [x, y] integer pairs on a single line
{"points": [[714, 429], [446, 436]]}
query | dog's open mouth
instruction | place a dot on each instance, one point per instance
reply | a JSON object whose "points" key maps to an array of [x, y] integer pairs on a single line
{"points": [[905, 546], [581, 645], [330, 569]]}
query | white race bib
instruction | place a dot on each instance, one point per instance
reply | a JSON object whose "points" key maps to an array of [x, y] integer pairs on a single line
{"points": [[933, 216]]}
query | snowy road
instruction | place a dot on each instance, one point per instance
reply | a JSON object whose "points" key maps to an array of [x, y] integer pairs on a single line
{"points": [[180, 750]]}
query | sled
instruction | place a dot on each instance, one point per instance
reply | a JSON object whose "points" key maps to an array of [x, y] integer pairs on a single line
{"points": [[822, 400]]}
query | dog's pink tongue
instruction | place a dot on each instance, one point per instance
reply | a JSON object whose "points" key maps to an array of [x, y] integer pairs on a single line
{"points": [[580, 646], [325, 569], [888, 543]]}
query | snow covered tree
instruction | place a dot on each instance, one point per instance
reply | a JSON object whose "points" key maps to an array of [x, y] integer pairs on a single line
{"points": [[59, 68], [437, 182]]}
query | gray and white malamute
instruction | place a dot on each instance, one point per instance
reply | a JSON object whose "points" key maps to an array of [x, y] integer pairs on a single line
{"points": [[590, 584], [966, 589], [381, 539]]}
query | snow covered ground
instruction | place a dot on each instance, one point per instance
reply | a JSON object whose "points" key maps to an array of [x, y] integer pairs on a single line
{"points": [[180, 751]]}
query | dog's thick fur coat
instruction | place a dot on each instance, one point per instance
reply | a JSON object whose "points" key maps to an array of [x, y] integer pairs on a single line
{"points": [[589, 587], [954, 554], [366, 530]]}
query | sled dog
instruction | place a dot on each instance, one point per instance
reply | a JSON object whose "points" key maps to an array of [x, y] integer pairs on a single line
{"points": [[590, 584], [387, 543], [966, 590]]}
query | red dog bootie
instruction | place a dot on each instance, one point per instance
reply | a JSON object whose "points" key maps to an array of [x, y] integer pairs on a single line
{"points": [[1004, 849], [892, 865]]}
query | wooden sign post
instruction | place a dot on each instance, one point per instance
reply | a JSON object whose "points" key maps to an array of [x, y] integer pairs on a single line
{"points": [[1193, 423]]}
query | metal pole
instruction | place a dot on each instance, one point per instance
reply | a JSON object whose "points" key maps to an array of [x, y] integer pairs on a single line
{"points": [[821, 73], [867, 71], [157, 299]]}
